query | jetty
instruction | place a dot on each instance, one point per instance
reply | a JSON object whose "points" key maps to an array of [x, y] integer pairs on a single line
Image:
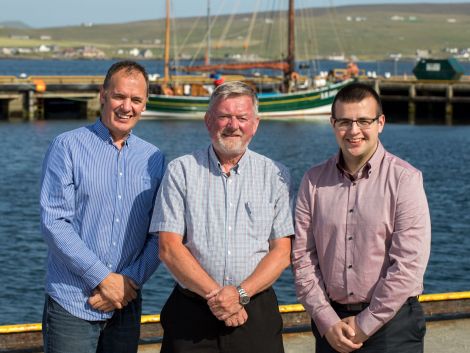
{"points": [[405, 99], [447, 316]]}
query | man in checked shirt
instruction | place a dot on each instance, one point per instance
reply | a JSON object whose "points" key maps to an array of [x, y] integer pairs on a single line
{"points": [[362, 238], [224, 220]]}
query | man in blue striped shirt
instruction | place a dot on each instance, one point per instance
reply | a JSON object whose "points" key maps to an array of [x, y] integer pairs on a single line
{"points": [[98, 188], [224, 219]]}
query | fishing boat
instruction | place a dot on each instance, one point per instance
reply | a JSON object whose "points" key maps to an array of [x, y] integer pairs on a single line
{"points": [[447, 316], [289, 95]]}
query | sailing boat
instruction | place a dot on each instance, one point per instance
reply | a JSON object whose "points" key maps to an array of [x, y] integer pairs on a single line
{"points": [[188, 103]]}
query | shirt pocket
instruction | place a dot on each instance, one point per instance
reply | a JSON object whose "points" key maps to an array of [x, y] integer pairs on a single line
{"points": [[143, 191], [260, 219]]}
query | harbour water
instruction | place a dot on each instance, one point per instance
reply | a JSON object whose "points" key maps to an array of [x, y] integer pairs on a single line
{"points": [[441, 152], [26, 67]]}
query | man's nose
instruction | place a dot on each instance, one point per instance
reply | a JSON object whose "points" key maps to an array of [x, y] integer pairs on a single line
{"points": [[233, 122], [126, 105]]}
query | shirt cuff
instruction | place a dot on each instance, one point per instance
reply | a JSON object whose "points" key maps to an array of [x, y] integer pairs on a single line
{"points": [[325, 319], [368, 323], [96, 274], [166, 227]]}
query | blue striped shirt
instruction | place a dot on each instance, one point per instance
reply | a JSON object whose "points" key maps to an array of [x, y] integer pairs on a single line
{"points": [[96, 203], [226, 220]]}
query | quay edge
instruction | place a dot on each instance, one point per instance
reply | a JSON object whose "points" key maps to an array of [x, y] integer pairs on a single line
{"points": [[448, 312]]}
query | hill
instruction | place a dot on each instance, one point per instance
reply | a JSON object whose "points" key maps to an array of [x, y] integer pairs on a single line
{"points": [[366, 31]]}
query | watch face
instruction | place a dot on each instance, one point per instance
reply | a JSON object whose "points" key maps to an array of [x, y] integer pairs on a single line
{"points": [[244, 300]]}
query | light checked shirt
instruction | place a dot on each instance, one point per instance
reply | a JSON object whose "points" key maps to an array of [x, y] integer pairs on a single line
{"points": [[96, 203], [365, 240], [226, 220]]}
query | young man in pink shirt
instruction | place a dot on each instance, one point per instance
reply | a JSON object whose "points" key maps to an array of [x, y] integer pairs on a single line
{"points": [[362, 237]]}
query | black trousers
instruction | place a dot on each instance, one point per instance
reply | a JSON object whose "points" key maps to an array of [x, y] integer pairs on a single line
{"points": [[402, 334], [189, 326]]}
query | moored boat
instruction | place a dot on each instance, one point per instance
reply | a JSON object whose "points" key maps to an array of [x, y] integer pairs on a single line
{"points": [[297, 105], [289, 96]]}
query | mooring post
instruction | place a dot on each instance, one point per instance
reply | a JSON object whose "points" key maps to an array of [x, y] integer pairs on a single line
{"points": [[412, 105], [30, 105], [449, 107]]}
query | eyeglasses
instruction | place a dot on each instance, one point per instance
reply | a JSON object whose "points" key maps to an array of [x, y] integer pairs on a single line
{"points": [[362, 123]]}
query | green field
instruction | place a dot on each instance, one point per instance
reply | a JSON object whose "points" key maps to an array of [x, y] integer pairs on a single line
{"points": [[319, 33]]}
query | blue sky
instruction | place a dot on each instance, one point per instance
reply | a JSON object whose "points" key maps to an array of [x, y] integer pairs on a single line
{"points": [[52, 13]]}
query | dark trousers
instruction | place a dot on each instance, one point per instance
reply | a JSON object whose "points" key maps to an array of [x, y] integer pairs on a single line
{"points": [[65, 333], [189, 326], [404, 333]]}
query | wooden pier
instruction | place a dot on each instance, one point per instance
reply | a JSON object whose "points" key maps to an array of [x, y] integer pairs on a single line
{"points": [[424, 101], [405, 100], [49, 97]]}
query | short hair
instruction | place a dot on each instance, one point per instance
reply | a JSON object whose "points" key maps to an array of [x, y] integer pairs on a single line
{"points": [[354, 93], [130, 67], [233, 89]]}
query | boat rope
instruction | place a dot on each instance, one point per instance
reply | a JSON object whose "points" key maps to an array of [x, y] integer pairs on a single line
{"points": [[246, 44], [291, 308], [333, 18], [223, 35], [202, 43]]}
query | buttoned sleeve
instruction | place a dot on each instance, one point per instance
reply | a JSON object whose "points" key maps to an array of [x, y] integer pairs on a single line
{"points": [[282, 223], [169, 210], [57, 202], [309, 283], [408, 254]]}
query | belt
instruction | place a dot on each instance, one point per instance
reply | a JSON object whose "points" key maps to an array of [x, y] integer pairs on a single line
{"points": [[360, 306]]}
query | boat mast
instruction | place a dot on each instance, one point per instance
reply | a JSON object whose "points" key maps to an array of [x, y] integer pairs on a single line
{"points": [[166, 73], [290, 44], [207, 60]]}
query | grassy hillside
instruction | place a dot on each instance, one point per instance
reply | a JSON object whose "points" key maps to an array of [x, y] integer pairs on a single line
{"points": [[369, 33]]}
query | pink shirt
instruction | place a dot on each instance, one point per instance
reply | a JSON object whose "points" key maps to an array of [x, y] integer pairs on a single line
{"points": [[366, 240]]}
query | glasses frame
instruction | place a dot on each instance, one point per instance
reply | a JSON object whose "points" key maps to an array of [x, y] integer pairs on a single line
{"points": [[352, 121]]}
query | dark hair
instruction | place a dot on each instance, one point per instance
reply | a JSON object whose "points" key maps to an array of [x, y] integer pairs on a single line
{"points": [[354, 93], [130, 67]]}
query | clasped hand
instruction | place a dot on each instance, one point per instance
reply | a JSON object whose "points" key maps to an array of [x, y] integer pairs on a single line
{"points": [[225, 305], [345, 336], [114, 292]]}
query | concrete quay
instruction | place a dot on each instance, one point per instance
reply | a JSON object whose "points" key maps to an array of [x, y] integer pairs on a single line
{"points": [[445, 336]]}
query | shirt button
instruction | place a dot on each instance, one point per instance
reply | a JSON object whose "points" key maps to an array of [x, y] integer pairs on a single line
{"points": [[119, 197], [230, 181], [354, 184], [120, 173], [109, 265], [229, 253], [351, 293], [117, 220], [350, 266], [229, 228], [114, 243], [351, 210], [350, 238]]}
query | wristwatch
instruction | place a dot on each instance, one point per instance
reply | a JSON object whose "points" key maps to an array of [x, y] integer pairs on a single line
{"points": [[244, 298]]}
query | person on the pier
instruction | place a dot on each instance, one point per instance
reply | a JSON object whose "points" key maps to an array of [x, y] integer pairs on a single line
{"points": [[224, 218], [99, 184], [362, 237]]}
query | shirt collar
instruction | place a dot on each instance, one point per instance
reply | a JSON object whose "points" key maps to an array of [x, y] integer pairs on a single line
{"points": [[103, 133], [236, 169], [372, 164]]}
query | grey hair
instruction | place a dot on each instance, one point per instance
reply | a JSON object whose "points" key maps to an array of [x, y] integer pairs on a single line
{"points": [[234, 89]]}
